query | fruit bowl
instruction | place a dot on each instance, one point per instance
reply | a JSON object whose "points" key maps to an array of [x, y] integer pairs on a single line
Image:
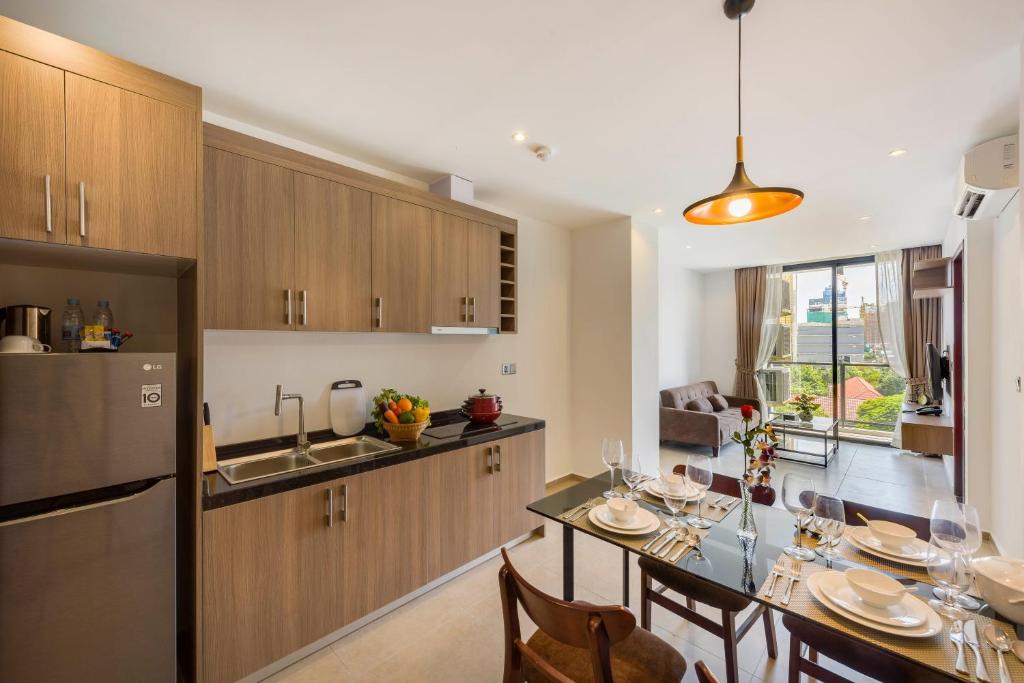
{"points": [[405, 432]]}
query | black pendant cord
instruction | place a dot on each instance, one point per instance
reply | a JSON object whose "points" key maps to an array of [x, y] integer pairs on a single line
{"points": [[739, 78]]}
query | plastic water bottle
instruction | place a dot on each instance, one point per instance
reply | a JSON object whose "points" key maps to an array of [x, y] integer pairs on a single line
{"points": [[71, 327], [103, 315]]}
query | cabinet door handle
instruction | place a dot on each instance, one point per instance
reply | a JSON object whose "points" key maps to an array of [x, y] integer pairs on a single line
{"points": [[81, 209], [380, 312], [490, 461], [305, 315], [49, 210], [497, 465], [330, 508], [472, 302], [344, 502], [465, 309], [288, 307]]}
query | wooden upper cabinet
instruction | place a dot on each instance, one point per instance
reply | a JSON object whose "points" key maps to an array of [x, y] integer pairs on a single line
{"points": [[133, 159], [249, 257], [401, 279], [31, 149], [483, 276], [332, 256], [449, 251]]}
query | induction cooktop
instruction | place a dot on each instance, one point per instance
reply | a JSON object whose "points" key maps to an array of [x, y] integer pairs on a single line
{"points": [[462, 427]]}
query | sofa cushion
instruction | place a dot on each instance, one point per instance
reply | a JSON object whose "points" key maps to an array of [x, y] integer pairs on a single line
{"points": [[701, 405], [670, 398], [718, 402]]}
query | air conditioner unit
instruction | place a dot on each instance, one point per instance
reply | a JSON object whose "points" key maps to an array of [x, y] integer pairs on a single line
{"points": [[777, 386], [989, 179]]}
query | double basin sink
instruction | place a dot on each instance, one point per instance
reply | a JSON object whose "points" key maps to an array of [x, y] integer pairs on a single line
{"points": [[281, 462]]}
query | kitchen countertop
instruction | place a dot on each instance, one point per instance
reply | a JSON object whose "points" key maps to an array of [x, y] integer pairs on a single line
{"points": [[219, 492]]}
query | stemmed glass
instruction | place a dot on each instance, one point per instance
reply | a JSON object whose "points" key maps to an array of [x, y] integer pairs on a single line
{"points": [[674, 490], [798, 497], [956, 528], [948, 568], [699, 475], [830, 521], [633, 474], [611, 454]]}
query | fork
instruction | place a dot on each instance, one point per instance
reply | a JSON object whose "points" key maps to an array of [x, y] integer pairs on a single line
{"points": [[717, 501], [777, 571], [582, 511], [956, 634], [794, 576]]}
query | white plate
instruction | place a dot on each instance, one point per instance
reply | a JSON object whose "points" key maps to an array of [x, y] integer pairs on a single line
{"points": [[653, 487], [654, 525], [861, 537], [901, 615], [639, 520], [932, 625]]}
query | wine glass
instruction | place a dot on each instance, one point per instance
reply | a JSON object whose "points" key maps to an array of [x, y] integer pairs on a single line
{"points": [[795, 498], [674, 491], [633, 474], [955, 527], [699, 476], [611, 454], [948, 568], [830, 521]]}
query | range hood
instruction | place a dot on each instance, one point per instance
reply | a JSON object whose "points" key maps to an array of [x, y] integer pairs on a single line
{"points": [[439, 329]]}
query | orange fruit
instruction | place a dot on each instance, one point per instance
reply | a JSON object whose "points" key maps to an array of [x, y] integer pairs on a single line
{"points": [[404, 405]]}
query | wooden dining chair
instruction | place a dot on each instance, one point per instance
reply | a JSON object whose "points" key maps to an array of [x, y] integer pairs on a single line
{"points": [[695, 589], [704, 674], [577, 642], [730, 486]]}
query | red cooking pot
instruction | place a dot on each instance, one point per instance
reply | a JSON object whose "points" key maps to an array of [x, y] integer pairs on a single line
{"points": [[482, 408]]}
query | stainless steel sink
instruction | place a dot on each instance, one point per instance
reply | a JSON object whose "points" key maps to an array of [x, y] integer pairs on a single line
{"points": [[277, 463], [269, 464], [352, 447]]}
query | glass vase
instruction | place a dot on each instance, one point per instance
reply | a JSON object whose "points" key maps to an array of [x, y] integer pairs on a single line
{"points": [[747, 527]]}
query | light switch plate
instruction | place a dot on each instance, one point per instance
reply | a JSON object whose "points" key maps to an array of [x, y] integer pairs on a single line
{"points": [[508, 368]]}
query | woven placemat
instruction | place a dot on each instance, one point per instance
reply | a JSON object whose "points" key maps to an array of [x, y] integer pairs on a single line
{"points": [[937, 652], [713, 514], [634, 543]]}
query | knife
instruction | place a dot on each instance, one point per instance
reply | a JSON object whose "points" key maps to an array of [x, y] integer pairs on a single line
{"points": [[956, 634], [971, 637], [667, 548], [661, 544], [647, 546]]}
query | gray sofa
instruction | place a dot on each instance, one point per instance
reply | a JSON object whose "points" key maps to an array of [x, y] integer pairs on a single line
{"points": [[699, 414]]}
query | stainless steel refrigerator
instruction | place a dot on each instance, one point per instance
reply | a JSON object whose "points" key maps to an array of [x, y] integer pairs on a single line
{"points": [[87, 517]]}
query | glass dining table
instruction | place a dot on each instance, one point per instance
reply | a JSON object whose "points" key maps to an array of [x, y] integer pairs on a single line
{"points": [[725, 560]]}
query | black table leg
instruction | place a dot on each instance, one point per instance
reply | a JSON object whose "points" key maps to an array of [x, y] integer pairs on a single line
{"points": [[567, 563], [625, 577]]}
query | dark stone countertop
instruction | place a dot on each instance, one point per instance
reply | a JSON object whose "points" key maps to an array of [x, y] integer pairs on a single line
{"points": [[219, 492]]}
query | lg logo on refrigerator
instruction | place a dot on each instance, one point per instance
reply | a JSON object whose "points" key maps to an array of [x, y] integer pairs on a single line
{"points": [[152, 395]]}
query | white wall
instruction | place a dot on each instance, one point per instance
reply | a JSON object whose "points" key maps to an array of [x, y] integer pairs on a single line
{"points": [[718, 330], [601, 340], [241, 368], [680, 307], [645, 306]]}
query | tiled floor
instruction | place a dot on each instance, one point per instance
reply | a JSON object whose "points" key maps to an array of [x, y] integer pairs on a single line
{"points": [[454, 633]]}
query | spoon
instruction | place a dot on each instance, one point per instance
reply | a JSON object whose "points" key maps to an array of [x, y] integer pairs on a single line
{"points": [[864, 519], [1000, 642]]}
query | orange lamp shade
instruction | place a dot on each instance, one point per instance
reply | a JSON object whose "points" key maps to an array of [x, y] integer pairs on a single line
{"points": [[743, 201]]}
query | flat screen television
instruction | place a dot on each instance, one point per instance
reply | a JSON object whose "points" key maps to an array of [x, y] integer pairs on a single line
{"points": [[937, 369]]}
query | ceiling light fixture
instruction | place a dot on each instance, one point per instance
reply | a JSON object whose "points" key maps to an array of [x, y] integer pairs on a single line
{"points": [[689, 246], [742, 201], [519, 136], [864, 218], [898, 152], [659, 210]]}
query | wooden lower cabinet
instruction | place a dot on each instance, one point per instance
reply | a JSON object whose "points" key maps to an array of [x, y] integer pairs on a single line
{"points": [[283, 571]]}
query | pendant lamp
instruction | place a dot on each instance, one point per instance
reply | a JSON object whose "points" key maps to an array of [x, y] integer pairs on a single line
{"points": [[742, 201]]}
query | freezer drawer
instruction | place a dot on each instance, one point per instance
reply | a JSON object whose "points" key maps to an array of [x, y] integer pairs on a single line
{"points": [[87, 594], [75, 422]]}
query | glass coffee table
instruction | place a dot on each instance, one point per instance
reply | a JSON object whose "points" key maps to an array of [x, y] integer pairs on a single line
{"points": [[812, 443]]}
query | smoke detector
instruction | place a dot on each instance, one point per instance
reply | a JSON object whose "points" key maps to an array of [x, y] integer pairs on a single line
{"points": [[542, 152]]}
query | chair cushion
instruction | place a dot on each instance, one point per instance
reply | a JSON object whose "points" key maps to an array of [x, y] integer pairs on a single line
{"points": [[693, 586], [718, 402], [640, 657], [701, 405]]}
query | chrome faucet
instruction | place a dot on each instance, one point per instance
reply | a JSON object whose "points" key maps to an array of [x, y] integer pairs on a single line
{"points": [[302, 445]]}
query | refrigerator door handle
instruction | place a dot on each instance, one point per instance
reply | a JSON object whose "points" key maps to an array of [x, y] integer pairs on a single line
{"points": [[80, 508]]}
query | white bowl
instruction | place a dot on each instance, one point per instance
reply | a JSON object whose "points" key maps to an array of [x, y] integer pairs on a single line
{"points": [[1001, 582], [623, 510], [875, 588], [890, 534]]}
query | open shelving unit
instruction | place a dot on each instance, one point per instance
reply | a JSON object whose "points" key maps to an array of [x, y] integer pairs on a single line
{"points": [[508, 273]]}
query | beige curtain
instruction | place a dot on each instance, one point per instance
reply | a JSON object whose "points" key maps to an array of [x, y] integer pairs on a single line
{"points": [[751, 285], [922, 318]]}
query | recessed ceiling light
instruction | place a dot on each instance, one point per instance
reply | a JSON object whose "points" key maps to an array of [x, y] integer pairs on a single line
{"points": [[898, 152], [689, 246], [874, 246], [519, 136], [659, 210], [864, 218]]}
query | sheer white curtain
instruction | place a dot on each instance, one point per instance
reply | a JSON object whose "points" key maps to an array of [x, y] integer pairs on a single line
{"points": [[773, 294], [891, 303]]}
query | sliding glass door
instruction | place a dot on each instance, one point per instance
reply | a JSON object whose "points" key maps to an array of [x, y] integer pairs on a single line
{"points": [[830, 348]]}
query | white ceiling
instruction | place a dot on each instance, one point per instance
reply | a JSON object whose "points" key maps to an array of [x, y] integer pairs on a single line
{"points": [[637, 98]]}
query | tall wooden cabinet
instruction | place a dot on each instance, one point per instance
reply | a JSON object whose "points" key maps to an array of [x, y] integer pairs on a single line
{"points": [[31, 150], [401, 266]]}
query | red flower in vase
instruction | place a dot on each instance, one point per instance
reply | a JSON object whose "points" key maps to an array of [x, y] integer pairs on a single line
{"points": [[747, 411]]}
